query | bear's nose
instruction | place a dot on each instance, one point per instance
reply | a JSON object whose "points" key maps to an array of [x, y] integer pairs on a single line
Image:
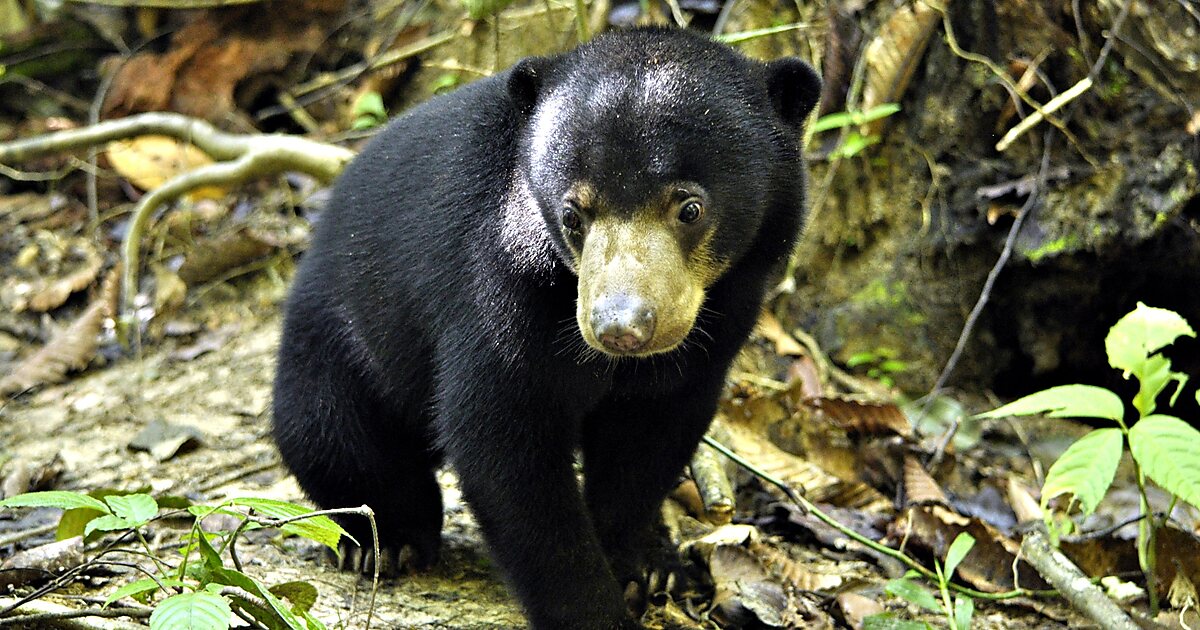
{"points": [[623, 323]]}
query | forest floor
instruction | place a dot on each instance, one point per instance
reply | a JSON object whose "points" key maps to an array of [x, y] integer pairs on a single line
{"points": [[84, 428]]}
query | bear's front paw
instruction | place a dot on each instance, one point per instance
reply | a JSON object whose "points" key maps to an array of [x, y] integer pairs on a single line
{"points": [[393, 561], [655, 573]]}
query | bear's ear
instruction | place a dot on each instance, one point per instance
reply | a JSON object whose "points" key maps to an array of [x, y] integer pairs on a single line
{"points": [[525, 81], [794, 88]]}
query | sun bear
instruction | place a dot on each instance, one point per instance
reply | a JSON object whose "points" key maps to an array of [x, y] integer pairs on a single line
{"points": [[560, 259]]}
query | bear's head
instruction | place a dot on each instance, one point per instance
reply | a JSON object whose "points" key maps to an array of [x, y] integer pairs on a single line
{"points": [[655, 158]]}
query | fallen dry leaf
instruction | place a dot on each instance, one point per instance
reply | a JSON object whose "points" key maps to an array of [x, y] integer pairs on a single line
{"points": [[215, 55], [150, 161], [814, 482], [894, 54], [1020, 498], [212, 257], [70, 349], [772, 330], [862, 417]]}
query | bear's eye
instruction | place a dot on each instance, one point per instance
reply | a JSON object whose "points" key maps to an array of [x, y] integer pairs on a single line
{"points": [[691, 211], [570, 218]]}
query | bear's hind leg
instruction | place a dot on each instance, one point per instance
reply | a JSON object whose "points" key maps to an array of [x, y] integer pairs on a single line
{"points": [[348, 448]]}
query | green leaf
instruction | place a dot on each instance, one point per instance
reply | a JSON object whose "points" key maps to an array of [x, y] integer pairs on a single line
{"points": [[73, 522], [964, 609], [250, 585], [854, 144], [1065, 401], [1141, 333], [200, 610], [1153, 376], [134, 508], [321, 528], [883, 110], [861, 358], [212, 559], [889, 621], [138, 587], [838, 120], [913, 593], [313, 622], [1086, 469], [202, 511], [444, 82], [958, 550], [370, 104], [835, 120], [55, 499], [106, 523], [302, 595], [745, 36], [894, 366], [1166, 449]]}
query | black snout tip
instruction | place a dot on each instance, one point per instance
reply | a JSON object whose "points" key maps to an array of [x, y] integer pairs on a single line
{"points": [[624, 324]]}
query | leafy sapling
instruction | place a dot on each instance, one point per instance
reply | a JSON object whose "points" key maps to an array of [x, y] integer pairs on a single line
{"points": [[958, 610], [201, 591], [1163, 446]]}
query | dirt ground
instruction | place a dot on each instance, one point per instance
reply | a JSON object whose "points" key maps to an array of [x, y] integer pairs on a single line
{"points": [[87, 424]]}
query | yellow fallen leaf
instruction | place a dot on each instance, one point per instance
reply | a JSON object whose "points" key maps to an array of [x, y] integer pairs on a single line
{"points": [[149, 161]]}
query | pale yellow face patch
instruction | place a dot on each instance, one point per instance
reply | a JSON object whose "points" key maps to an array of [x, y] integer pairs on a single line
{"points": [[642, 256]]}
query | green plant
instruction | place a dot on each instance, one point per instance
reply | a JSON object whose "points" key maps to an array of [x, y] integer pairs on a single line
{"points": [[369, 111], [200, 591], [854, 141], [881, 364], [1163, 446], [958, 610]]}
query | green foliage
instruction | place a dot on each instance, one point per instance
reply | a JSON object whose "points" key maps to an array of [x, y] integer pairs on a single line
{"points": [[1163, 447], [1086, 469], [195, 610], [319, 528], [745, 36], [854, 141], [1132, 343], [958, 612], [1065, 401], [854, 118], [445, 82], [55, 499], [197, 593], [881, 364], [369, 111]]}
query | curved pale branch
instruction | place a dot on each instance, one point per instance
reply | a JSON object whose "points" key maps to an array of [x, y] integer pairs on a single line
{"points": [[241, 157]]}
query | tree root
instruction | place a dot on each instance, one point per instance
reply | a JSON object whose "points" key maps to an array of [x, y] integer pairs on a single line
{"points": [[240, 157]]}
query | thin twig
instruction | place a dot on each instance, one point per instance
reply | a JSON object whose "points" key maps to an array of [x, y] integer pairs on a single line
{"points": [[1051, 106], [32, 619], [1110, 40], [969, 327]]}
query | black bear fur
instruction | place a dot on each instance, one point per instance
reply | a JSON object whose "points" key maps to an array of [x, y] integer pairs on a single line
{"points": [[434, 315]]}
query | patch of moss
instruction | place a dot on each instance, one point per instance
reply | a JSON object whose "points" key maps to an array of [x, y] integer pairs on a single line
{"points": [[892, 297], [1052, 247]]}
